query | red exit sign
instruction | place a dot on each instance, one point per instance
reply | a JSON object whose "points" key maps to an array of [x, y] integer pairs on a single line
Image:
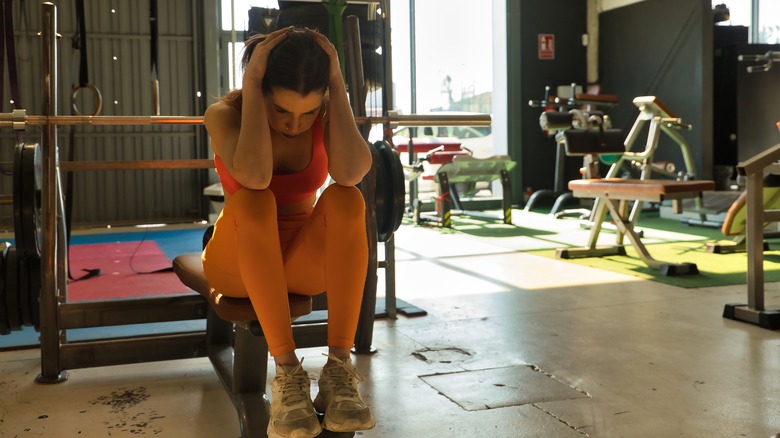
{"points": [[546, 46]]}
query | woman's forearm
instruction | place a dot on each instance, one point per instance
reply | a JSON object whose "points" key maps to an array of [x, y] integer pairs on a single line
{"points": [[349, 157], [253, 159]]}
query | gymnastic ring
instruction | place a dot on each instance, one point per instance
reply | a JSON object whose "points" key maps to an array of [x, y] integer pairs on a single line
{"points": [[98, 99]]}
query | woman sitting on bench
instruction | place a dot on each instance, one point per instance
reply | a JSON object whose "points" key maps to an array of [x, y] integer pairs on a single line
{"points": [[275, 141]]}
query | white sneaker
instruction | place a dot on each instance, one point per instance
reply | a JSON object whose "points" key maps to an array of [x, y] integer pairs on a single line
{"points": [[292, 411], [339, 399]]}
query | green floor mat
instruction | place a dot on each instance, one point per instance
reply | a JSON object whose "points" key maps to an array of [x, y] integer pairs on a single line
{"points": [[714, 269], [668, 240], [534, 231]]}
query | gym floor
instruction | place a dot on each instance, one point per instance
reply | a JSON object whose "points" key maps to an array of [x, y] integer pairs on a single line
{"points": [[514, 345]]}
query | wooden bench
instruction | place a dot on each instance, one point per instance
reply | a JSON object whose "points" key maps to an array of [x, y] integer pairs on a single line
{"points": [[238, 350], [614, 194]]}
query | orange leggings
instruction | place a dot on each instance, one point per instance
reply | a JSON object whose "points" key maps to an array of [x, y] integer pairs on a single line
{"points": [[255, 253]]}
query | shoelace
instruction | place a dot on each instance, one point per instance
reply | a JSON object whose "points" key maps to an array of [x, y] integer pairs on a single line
{"points": [[296, 382], [343, 384]]}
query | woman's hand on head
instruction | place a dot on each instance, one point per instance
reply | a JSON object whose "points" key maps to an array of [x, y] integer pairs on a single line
{"points": [[258, 62], [330, 50]]}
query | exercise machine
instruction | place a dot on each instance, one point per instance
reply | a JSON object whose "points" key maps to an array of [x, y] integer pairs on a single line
{"points": [[571, 108], [757, 214], [458, 175], [614, 195], [659, 120], [735, 222], [465, 170]]}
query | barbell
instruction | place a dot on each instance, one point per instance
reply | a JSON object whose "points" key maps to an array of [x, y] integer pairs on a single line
{"points": [[19, 120]]}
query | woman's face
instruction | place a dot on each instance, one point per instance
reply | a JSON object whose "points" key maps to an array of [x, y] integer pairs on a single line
{"points": [[291, 114]]}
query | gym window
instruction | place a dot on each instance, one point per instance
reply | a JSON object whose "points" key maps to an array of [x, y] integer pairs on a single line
{"points": [[762, 17]]}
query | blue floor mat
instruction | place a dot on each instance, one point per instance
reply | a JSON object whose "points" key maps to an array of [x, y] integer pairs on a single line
{"points": [[171, 242]]}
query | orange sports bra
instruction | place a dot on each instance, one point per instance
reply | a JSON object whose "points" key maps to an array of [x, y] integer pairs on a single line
{"points": [[292, 187]]}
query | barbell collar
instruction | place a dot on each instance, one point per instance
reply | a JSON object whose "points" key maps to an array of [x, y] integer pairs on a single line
{"points": [[16, 119]]}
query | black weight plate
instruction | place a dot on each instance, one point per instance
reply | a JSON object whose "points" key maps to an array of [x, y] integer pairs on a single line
{"points": [[390, 188], [4, 329], [397, 188], [17, 194], [380, 200], [12, 289], [31, 200], [23, 275], [34, 265]]}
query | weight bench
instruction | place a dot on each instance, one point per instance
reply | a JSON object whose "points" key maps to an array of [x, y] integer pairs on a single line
{"points": [[461, 167], [238, 350], [614, 194]]}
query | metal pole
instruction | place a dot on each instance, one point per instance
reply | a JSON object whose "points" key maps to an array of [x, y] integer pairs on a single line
{"points": [[50, 343], [754, 17], [387, 104], [413, 189], [413, 56], [387, 56], [754, 242], [393, 120]]}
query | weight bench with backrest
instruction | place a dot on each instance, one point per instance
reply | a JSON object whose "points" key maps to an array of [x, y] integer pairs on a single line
{"points": [[615, 194], [237, 348], [466, 170]]}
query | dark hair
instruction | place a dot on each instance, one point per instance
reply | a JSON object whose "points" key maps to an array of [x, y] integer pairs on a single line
{"points": [[297, 63]]}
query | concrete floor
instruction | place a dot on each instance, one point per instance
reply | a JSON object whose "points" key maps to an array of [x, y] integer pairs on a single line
{"points": [[514, 345]]}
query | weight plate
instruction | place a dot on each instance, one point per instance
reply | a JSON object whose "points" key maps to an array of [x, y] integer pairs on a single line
{"points": [[398, 190], [380, 200], [23, 276], [34, 265], [12, 289], [390, 189], [31, 200], [4, 329]]}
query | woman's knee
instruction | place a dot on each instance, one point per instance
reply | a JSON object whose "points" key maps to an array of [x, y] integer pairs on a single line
{"points": [[258, 206], [344, 201]]}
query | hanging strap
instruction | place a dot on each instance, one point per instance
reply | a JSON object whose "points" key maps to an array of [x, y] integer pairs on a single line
{"points": [[79, 43], [8, 48], [153, 33]]}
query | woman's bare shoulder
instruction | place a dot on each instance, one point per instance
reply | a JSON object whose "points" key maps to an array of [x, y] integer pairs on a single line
{"points": [[221, 112], [223, 124]]}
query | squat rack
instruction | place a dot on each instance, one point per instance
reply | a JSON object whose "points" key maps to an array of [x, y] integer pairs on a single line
{"points": [[56, 315]]}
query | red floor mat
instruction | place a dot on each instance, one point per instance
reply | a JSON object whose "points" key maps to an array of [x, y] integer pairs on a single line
{"points": [[123, 268]]}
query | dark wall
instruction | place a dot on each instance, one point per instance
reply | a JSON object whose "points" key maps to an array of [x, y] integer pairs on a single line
{"points": [[662, 48], [527, 77], [758, 104]]}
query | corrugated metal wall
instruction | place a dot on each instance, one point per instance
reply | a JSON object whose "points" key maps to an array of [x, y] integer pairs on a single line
{"points": [[119, 64]]}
